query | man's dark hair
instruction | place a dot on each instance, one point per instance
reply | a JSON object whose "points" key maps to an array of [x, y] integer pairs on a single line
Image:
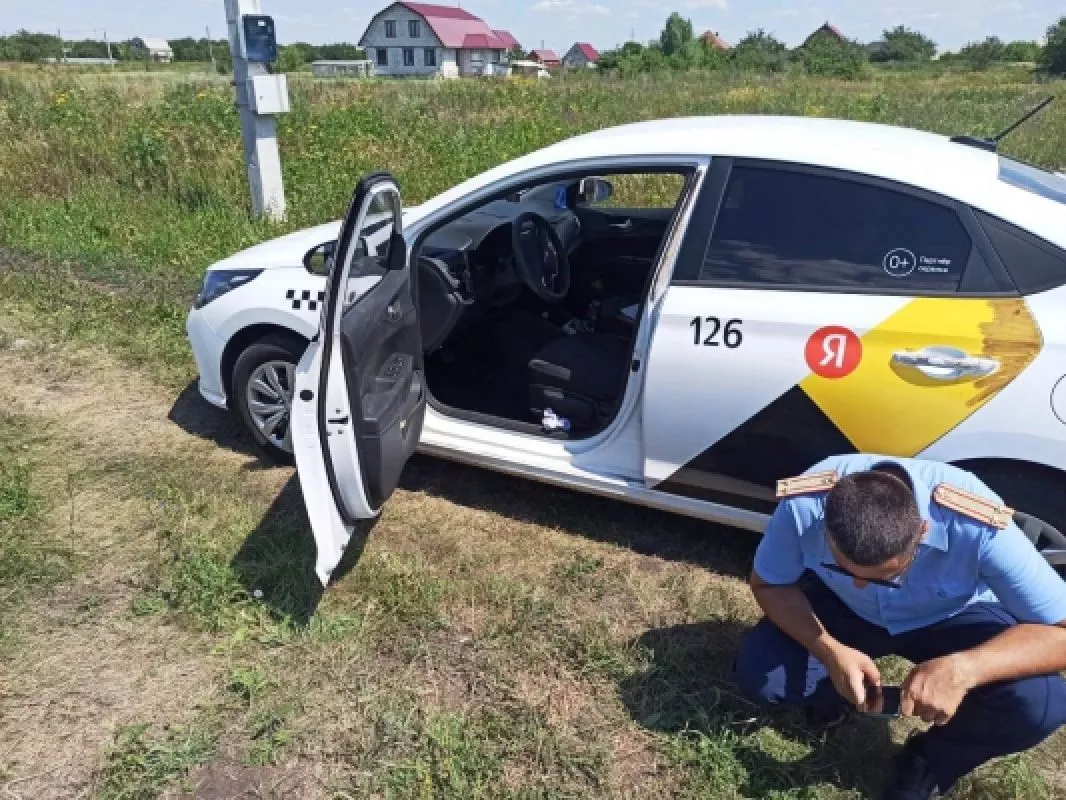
{"points": [[872, 517]]}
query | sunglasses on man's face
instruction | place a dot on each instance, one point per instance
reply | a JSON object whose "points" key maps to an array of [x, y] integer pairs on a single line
{"points": [[895, 582]]}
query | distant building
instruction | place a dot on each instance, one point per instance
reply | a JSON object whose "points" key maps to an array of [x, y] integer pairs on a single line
{"points": [[545, 57], [82, 62], [421, 39], [528, 69], [828, 30], [712, 39], [154, 48], [342, 69], [582, 54], [509, 40]]}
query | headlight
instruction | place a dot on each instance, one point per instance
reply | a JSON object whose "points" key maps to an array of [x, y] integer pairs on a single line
{"points": [[218, 283]]}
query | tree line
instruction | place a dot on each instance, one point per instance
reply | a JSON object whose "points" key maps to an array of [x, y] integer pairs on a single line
{"points": [[36, 47], [824, 53]]}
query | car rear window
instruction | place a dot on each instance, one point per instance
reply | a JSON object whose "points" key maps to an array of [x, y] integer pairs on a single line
{"points": [[787, 227], [1033, 179]]}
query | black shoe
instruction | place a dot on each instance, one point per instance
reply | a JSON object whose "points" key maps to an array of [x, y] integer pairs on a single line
{"points": [[914, 780]]}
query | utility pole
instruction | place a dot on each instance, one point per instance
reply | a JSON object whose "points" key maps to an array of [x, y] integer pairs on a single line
{"points": [[260, 96], [62, 52], [211, 52], [107, 44]]}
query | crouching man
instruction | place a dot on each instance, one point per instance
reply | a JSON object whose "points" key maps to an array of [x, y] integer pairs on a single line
{"points": [[868, 556]]}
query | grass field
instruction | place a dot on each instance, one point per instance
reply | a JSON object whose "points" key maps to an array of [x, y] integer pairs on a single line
{"points": [[161, 631]]}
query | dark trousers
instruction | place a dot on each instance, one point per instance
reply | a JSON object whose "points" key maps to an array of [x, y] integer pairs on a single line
{"points": [[993, 720]]}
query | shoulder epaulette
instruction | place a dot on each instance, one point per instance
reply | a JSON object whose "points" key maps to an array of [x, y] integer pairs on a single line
{"points": [[970, 505], [807, 484]]}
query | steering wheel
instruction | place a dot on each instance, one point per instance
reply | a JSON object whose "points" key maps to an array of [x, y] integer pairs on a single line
{"points": [[540, 259]]}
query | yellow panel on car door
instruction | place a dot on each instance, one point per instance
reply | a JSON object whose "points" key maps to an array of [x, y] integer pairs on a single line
{"points": [[886, 407]]}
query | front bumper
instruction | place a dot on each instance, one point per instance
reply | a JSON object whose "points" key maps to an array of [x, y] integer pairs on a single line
{"points": [[207, 348]]}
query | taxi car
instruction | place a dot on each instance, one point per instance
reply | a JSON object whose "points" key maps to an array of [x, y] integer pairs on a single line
{"points": [[676, 313]]}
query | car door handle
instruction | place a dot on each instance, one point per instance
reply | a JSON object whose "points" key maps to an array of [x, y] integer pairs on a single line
{"points": [[622, 226], [945, 363]]}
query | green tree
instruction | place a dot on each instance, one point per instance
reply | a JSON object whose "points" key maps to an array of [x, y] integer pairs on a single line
{"points": [[1022, 51], [903, 44], [981, 55], [1054, 56], [653, 58], [712, 57], [627, 59], [26, 46], [824, 54], [759, 51], [340, 51], [86, 48], [290, 58], [517, 53], [676, 34]]}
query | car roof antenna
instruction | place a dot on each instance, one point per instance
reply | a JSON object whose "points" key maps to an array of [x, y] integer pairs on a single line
{"points": [[992, 144]]}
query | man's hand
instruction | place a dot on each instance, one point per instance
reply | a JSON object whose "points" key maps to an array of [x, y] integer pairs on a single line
{"points": [[852, 671], [934, 690]]}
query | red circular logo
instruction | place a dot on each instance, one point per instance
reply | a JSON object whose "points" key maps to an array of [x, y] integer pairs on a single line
{"points": [[833, 352]]}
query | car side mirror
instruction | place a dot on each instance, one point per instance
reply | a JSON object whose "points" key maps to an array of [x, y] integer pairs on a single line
{"points": [[593, 191], [319, 260]]}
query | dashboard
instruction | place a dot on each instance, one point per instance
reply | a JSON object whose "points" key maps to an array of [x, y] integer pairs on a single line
{"points": [[476, 249]]}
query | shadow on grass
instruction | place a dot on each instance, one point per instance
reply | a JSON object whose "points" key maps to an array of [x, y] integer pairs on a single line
{"points": [[281, 548], [642, 530], [278, 557], [195, 415], [686, 692], [645, 531]]}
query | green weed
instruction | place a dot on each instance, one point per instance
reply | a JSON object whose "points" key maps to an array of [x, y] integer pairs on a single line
{"points": [[247, 683], [30, 556], [140, 765], [469, 755], [138, 180], [268, 735]]}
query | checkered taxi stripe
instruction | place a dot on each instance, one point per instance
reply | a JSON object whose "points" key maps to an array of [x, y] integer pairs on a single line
{"points": [[304, 300]]}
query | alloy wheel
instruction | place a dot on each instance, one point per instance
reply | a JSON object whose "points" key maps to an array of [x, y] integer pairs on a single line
{"points": [[269, 398]]}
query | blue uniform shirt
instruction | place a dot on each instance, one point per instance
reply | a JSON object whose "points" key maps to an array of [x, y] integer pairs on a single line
{"points": [[959, 562]]}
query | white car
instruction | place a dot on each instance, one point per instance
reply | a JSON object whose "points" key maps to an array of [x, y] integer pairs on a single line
{"points": [[674, 313]]}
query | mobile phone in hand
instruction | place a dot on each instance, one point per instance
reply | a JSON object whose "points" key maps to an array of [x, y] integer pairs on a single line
{"points": [[884, 701]]}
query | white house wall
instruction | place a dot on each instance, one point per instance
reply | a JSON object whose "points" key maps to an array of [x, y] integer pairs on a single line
{"points": [[474, 61], [375, 38]]}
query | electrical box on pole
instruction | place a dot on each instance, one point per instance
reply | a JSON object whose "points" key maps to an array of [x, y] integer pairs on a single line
{"points": [[260, 96]]}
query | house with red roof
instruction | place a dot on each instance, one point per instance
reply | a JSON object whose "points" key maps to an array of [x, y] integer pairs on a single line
{"points": [[582, 54], [827, 29], [426, 40], [545, 58], [508, 39], [713, 40]]}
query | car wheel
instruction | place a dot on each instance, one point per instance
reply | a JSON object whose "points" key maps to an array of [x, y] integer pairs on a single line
{"points": [[1036, 494], [262, 390]]}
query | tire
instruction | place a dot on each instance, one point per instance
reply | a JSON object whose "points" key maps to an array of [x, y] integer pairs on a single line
{"points": [[1038, 496], [269, 364]]}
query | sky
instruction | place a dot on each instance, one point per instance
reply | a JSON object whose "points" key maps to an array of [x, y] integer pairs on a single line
{"points": [[555, 23]]}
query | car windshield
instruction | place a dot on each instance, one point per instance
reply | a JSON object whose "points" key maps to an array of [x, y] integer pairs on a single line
{"points": [[1038, 181]]}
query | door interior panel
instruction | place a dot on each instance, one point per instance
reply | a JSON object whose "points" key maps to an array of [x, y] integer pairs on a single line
{"points": [[618, 249], [382, 353]]}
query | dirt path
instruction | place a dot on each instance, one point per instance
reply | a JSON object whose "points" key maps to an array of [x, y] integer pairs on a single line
{"points": [[83, 664]]}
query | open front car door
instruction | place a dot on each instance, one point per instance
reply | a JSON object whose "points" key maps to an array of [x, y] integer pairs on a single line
{"points": [[359, 395]]}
